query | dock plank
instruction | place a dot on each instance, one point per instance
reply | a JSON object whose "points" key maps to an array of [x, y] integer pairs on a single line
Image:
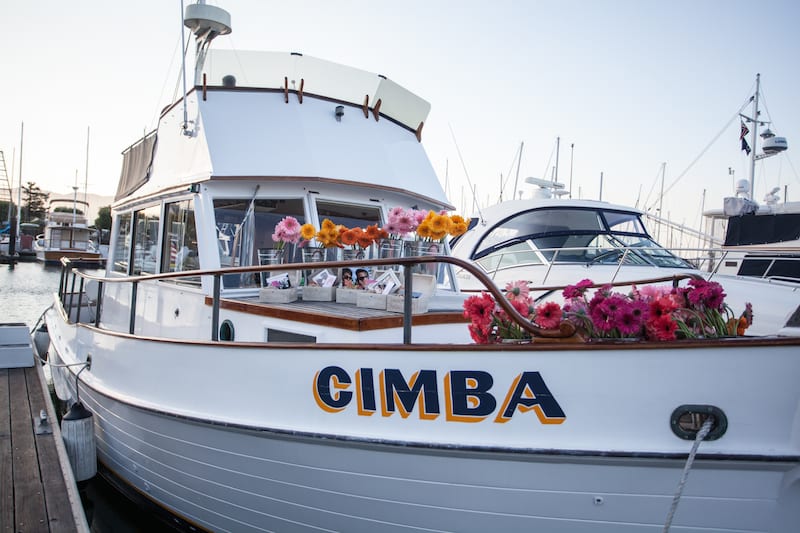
{"points": [[34, 495], [59, 510], [29, 509], [6, 470]]}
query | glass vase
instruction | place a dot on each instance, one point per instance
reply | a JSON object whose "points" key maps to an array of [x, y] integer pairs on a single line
{"points": [[391, 249], [423, 249], [270, 256]]}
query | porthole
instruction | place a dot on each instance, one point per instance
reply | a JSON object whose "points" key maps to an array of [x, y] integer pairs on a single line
{"points": [[226, 332]]}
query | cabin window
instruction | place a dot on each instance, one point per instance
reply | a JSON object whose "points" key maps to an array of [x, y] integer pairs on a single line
{"points": [[122, 245], [145, 239], [349, 215], [509, 256], [242, 230], [179, 251]]}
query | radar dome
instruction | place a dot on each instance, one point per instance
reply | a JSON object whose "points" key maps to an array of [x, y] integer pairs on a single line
{"points": [[742, 186], [774, 145]]}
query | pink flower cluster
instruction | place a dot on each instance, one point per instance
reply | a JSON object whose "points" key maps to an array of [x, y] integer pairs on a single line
{"points": [[286, 231], [653, 312], [489, 323], [400, 222], [658, 313]]}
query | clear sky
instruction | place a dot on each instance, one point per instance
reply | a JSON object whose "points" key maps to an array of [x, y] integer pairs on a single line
{"points": [[631, 84]]}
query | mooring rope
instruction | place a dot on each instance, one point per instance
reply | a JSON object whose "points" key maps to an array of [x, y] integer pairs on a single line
{"points": [[702, 434]]}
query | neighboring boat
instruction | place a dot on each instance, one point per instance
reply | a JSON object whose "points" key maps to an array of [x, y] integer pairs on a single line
{"points": [[555, 241], [763, 242], [236, 414], [758, 240], [67, 234]]}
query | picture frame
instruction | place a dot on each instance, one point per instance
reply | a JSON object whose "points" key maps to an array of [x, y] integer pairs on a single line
{"points": [[386, 283]]}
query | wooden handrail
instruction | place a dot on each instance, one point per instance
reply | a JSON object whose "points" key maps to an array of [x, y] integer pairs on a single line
{"points": [[565, 329]]}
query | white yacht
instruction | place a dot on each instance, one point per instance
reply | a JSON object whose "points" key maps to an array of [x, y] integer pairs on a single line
{"points": [[233, 411]]}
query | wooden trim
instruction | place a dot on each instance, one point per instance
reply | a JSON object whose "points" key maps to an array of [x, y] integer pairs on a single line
{"points": [[365, 107], [376, 111], [300, 92], [205, 87], [286, 89], [538, 345], [419, 132], [342, 321]]}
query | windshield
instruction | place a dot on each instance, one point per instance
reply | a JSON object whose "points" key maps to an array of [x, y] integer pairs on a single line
{"points": [[572, 235]]}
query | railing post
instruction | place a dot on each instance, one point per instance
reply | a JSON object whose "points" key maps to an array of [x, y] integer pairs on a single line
{"points": [[132, 322], [98, 304], [80, 300], [215, 310], [62, 285], [407, 295], [71, 296]]}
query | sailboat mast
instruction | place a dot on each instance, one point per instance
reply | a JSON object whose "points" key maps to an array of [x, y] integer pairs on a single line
{"points": [[753, 139], [519, 163], [558, 148], [86, 170]]}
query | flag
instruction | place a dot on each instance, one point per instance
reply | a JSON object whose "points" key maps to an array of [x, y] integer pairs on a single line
{"points": [[742, 133]]}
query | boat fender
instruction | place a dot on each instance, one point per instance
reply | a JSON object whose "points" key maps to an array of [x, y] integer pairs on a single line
{"points": [[41, 341], [77, 431]]}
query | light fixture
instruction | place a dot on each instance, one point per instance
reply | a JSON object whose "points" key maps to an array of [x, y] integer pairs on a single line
{"points": [[339, 112]]}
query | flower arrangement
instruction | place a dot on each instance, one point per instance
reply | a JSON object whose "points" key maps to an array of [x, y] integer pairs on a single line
{"points": [[400, 222], [286, 231], [437, 226], [654, 312], [362, 238], [428, 225], [328, 236], [489, 323]]}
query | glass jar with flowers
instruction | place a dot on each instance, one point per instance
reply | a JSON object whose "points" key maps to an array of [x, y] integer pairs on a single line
{"points": [[432, 231], [287, 231], [399, 224], [327, 238], [357, 241]]}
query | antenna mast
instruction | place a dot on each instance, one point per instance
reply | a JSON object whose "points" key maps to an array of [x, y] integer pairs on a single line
{"points": [[753, 139], [206, 22]]}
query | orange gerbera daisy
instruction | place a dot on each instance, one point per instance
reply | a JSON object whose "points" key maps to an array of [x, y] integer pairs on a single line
{"points": [[351, 236]]}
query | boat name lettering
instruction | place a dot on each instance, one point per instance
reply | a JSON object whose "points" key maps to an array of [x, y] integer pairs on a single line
{"points": [[467, 396]]}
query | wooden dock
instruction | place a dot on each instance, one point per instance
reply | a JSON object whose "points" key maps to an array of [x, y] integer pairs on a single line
{"points": [[37, 489]]}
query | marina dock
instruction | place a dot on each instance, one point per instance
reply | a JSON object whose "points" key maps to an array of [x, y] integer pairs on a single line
{"points": [[37, 489]]}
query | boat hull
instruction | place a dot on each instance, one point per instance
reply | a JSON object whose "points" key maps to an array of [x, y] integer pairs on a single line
{"points": [[227, 478], [78, 258], [249, 446]]}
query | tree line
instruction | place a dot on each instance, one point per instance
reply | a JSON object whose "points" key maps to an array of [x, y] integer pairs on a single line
{"points": [[34, 208]]}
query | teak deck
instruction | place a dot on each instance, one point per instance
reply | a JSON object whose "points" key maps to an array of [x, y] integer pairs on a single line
{"points": [[343, 316], [34, 494]]}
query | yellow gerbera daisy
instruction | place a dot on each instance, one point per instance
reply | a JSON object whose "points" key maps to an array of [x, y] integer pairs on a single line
{"points": [[307, 231]]}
